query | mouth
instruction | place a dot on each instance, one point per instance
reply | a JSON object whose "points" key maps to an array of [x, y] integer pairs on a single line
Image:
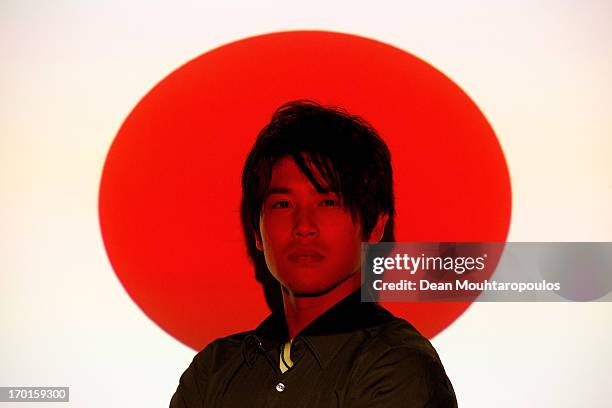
{"points": [[306, 256]]}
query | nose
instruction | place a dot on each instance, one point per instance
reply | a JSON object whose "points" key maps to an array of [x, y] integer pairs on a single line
{"points": [[305, 225]]}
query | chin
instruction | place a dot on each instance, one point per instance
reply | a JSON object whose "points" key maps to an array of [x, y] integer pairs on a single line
{"points": [[311, 287]]}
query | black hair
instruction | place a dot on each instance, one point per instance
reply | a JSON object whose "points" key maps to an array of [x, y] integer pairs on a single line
{"points": [[344, 150]]}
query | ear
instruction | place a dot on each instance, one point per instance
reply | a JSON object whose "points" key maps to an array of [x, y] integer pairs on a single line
{"points": [[379, 229], [258, 243]]}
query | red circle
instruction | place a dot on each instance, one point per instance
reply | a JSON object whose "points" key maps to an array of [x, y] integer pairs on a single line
{"points": [[170, 189]]}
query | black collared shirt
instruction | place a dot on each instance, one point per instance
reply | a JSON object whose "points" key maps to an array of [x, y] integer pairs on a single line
{"points": [[354, 355]]}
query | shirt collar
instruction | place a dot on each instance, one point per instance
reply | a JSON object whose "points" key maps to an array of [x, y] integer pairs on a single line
{"points": [[326, 335]]}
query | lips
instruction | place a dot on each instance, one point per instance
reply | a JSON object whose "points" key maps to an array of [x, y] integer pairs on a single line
{"points": [[305, 255]]}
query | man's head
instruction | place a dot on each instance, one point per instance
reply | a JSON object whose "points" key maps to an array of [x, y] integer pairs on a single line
{"points": [[317, 182]]}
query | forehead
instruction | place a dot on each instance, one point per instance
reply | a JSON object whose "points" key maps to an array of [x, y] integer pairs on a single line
{"points": [[286, 172]]}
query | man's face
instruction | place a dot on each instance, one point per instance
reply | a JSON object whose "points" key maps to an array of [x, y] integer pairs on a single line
{"points": [[311, 243]]}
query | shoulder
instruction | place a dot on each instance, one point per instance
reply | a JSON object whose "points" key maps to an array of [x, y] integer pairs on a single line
{"points": [[398, 362], [397, 336], [220, 351], [200, 377]]}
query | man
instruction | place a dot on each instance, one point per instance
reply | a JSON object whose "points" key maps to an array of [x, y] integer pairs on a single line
{"points": [[316, 184]]}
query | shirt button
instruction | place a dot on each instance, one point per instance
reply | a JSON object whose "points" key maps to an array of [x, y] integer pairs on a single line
{"points": [[280, 387]]}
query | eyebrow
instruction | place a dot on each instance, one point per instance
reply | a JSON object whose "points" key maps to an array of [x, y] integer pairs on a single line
{"points": [[278, 190], [285, 190]]}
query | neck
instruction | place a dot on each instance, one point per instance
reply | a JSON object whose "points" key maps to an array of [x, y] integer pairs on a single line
{"points": [[300, 311]]}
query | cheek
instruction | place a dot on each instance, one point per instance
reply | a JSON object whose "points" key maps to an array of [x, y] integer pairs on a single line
{"points": [[348, 244], [349, 233], [269, 230], [273, 234], [274, 222]]}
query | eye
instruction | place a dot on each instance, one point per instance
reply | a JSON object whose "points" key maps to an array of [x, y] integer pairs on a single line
{"points": [[329, 203], [281, 204]]}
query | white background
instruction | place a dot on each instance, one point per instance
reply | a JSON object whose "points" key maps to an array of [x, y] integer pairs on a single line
{"points": [[71, 71]]}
